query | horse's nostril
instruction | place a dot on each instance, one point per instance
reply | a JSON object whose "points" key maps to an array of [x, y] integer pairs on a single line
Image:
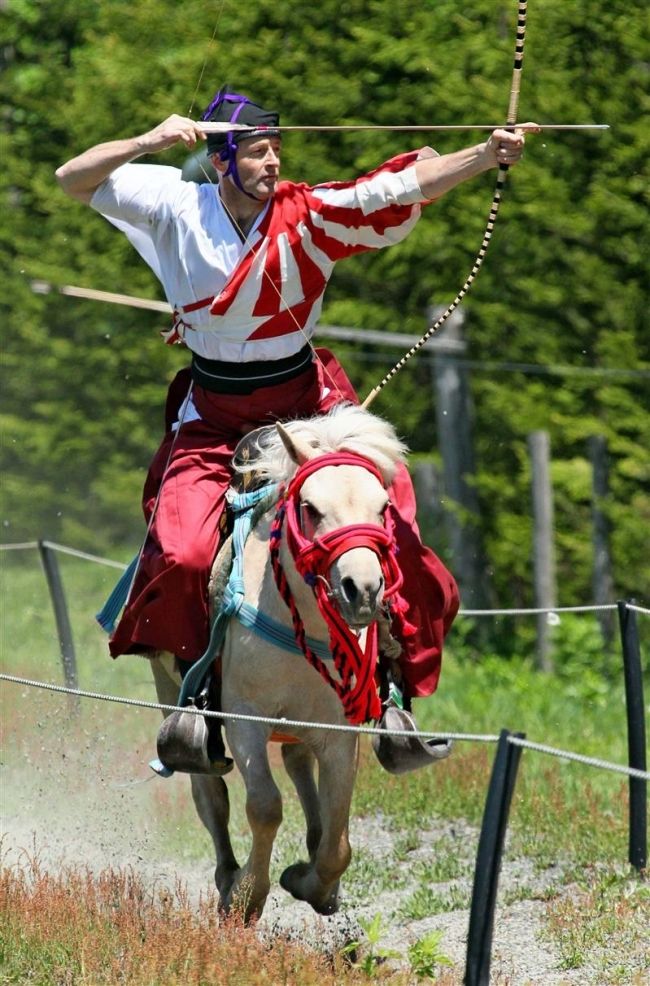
{"points": [[350, 590]]}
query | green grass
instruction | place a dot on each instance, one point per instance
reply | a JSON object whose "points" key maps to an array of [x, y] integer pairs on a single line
{"points": [[606, 916], [427, 901]]}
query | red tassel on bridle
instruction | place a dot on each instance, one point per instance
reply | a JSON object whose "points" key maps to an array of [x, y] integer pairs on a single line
{"points": [[313, 560]]}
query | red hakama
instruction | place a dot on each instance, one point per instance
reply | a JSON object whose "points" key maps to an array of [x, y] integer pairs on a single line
{"points": [[168, 607]]}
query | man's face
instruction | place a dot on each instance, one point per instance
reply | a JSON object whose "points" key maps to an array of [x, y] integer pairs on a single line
{"points": [[258, 165]]}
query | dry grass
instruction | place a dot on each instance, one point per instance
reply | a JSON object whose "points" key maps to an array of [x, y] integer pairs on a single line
{"points": [[74, 928]]}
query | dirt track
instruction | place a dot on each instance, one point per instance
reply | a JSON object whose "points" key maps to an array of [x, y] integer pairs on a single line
{"points": [[99, 807]]}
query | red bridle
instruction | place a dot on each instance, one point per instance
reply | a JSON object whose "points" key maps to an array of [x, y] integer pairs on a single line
{"points": [[313, 559]]}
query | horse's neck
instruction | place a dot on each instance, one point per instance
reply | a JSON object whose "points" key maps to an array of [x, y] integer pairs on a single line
{"points": [[261, 590]]}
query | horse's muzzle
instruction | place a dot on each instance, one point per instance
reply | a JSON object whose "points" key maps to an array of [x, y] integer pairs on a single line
{"points": [[358, 612], [357, 590]]}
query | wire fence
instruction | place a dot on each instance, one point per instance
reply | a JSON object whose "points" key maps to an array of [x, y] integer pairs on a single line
{"points": [[282, 723], [513, 611]]}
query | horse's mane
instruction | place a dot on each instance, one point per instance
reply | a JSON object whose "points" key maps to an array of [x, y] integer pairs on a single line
{"points": [[347, 427]]}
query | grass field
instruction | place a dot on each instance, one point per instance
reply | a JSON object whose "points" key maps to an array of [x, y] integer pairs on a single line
{"points": [[565, 817]]}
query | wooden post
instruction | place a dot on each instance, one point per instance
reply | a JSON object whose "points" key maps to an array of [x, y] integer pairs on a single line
{"points": [[454, 419], [543, 555], [603, 583], [431, 515]]}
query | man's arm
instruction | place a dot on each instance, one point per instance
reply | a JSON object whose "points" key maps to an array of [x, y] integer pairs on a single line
{"points": [[438, 174], [82, 176]]}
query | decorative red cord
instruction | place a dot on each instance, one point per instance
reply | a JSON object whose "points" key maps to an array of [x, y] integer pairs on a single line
{"points": [[356, 667]]}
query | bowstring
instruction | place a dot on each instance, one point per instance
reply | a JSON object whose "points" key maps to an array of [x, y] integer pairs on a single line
{"points": [[511, 119], [208, 55]]}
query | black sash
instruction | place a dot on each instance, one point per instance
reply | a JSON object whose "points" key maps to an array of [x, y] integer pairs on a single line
{"points": [[243, 378]]}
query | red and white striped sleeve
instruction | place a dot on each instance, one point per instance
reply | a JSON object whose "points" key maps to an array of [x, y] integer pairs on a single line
{"points": [[371, 212]]}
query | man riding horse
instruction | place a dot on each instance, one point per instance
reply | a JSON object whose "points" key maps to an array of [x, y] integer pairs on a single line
{"points": [[244, 263]]}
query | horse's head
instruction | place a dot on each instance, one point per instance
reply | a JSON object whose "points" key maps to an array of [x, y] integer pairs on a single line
{"points": [[336, 512]]}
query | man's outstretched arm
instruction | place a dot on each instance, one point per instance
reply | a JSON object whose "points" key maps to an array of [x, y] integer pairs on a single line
{"points": [[438, 174], [81, 176]]}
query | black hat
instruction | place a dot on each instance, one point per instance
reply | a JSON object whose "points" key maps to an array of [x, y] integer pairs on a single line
{"points": [[230, 107]]}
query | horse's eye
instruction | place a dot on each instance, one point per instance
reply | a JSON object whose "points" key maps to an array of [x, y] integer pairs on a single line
{"points": [[309, 510]]}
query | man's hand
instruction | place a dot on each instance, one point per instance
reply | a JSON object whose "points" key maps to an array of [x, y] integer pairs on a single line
{"points": [[437, 175], [505, 147], [175, 129]]}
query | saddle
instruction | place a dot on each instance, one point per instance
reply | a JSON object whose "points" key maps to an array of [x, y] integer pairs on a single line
{"points": [[247, 450]]}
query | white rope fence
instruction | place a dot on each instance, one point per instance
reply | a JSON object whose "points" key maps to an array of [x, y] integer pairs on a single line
{"points": [[337, 727], [638, 609], [536, 610], [532, 611], [63, 549], [21, 546]]}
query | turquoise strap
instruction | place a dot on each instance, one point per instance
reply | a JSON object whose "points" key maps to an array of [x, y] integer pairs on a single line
{"points": [[114, 605], [242, 505], [276, 633], [233, 601]]}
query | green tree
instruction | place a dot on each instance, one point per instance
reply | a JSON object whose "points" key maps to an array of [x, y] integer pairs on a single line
{"points": [[564, 283]]}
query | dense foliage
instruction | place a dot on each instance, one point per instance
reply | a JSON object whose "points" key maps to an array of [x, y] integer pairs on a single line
{"points": [[555, 323]]}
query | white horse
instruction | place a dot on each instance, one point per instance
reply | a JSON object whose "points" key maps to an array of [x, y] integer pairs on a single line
{"points": [[347, 492]]}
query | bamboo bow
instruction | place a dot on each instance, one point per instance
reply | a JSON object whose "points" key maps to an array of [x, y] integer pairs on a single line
{"points": [[511, 118]]}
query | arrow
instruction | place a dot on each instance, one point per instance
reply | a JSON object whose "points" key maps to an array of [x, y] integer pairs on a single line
{"points": [[224, 127]]}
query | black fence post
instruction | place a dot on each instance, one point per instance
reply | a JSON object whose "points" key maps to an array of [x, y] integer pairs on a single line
{"points": [[64, 630], [488, 860], [638, 845]]}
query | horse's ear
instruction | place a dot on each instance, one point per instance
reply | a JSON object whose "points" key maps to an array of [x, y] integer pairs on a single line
{"points": [[299, 450]]}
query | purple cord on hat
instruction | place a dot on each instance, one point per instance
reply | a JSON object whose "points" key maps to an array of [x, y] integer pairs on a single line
{"points": [[229, 152], [221, 97]]}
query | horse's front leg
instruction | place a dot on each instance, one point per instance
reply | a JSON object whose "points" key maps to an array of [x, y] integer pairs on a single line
{"points": [[299, 765], [248, 744], [317, 882], [212, 804]]}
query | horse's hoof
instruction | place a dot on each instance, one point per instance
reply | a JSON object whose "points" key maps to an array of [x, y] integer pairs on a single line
{"points": [[224, 877], [239, 894], [330, 906], [293, 880], [290, 878]]}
